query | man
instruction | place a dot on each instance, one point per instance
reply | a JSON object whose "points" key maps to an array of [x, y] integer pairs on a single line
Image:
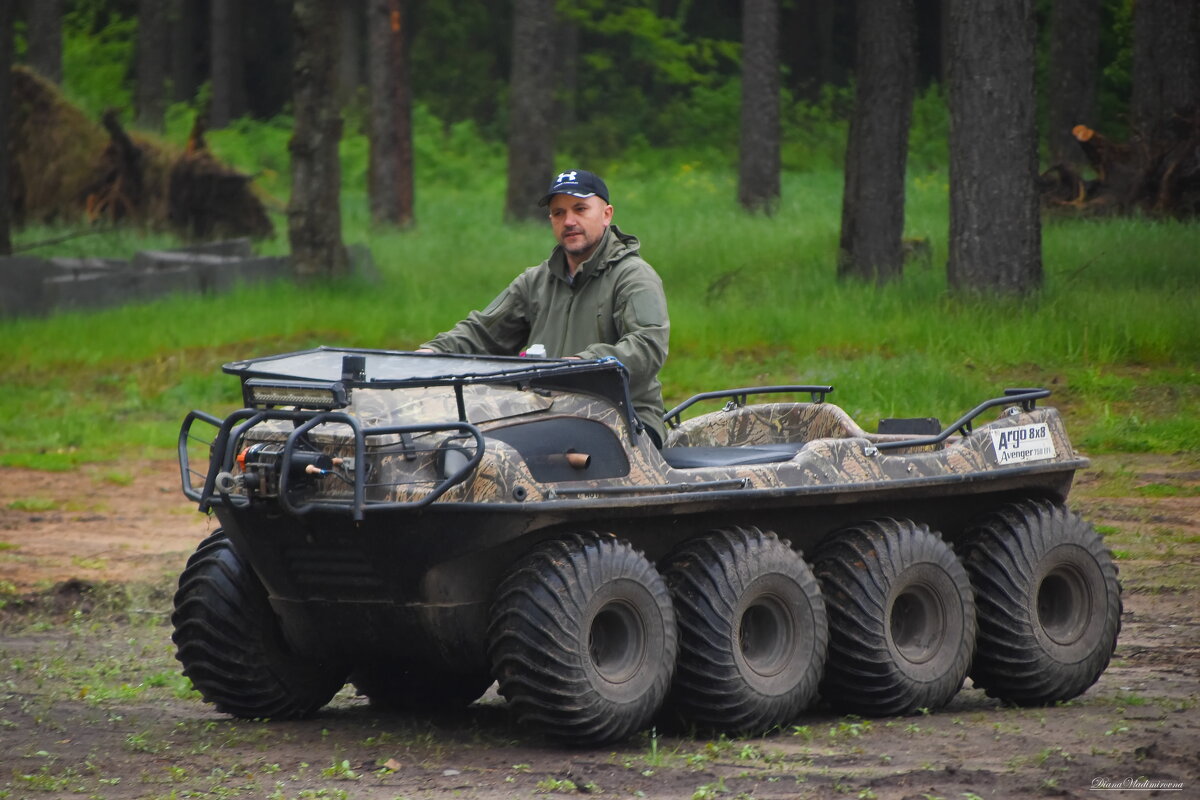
{"points": [[593, 297]]}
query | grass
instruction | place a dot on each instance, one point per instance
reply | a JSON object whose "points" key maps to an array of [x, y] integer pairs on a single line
{"points": [[753, 300], [32, 504]]}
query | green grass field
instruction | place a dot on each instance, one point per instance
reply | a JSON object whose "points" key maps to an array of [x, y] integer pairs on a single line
{"points": [[753, 300]]}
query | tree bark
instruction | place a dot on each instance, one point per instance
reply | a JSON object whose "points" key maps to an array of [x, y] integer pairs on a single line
{"points": [[758, 165], [151, 64], [877, 153], [390, 171], [1074, 75], [43, 36], [6, 92], [314, 213], [1166, 63], [995, 227], [227, 64], [531, 109]]}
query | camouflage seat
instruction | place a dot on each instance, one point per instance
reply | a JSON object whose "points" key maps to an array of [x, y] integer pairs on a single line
{"points": [[693, 457]]}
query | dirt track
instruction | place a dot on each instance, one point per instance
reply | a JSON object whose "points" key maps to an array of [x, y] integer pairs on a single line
{"points": [[92, 705]]}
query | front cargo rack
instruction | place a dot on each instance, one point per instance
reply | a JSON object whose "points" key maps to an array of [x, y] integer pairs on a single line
{"points": [[231, 429]]}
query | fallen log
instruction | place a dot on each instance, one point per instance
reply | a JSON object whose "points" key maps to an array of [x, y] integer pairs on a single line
{"points": [[66, 168], [1156, 173]]}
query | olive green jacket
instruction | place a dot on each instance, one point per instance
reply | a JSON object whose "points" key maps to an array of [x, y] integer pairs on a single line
{"points": [[614, 307]]}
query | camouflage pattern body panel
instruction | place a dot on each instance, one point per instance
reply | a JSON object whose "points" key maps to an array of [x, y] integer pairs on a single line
{"points": [[835, 454], [767, 423]]}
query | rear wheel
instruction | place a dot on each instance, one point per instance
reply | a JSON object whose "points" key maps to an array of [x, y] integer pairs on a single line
{"points": [[1049, 603], [752, 631], [583, 639], [901, 618], [229, 642]]}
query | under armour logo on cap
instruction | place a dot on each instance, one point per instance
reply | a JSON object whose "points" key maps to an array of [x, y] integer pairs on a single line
{"points": [[577, 183]]}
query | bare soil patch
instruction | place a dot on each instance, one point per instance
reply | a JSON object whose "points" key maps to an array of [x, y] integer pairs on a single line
{"points": [[91, 703], [125, 524]]}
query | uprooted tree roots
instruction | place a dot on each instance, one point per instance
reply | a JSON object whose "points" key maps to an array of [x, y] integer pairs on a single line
{"points": [[1156, 173], [67, 168]]}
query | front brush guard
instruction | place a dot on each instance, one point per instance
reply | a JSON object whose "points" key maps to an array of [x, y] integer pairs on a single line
{"points": [[221, 458]]}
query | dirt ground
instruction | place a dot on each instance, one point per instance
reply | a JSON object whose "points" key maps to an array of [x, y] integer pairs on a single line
{"points": [[91, 704]]}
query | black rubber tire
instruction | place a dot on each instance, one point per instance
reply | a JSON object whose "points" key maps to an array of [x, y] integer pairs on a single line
{"points": [[229, 642], [397, 688], [583, 641], [753, 632], [1048, 599], [901, 618]]}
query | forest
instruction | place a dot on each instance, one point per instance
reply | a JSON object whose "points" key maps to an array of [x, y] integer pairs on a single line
{"points": [[1096, 100]]}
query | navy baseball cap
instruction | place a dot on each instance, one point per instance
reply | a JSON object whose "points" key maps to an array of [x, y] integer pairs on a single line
{"points": [[577, 183]]}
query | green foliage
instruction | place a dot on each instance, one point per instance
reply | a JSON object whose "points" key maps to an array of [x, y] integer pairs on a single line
{"points": [[638, 73], [655, 46], [1116, 54], [460, 62], [648, 75], [97, 53]]}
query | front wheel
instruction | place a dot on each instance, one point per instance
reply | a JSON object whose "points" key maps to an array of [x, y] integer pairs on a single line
{"points": [[752, 627], [901, 618], [1049, 603], [230, 644], [583, 641]]}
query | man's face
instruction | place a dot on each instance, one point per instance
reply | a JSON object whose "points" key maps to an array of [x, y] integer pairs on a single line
{"points": [[578, 223]]}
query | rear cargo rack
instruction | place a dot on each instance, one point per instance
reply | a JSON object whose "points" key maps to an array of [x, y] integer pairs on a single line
{"points": [[1025, 398]]}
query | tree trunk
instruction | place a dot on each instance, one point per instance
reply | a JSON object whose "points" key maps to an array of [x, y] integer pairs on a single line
{"points": [[390, 172], [531, 109], [1074, 74], [873, 200], [758, 164], [43, 36], [351, 65], [227, 66], [314, 213], [187, 48], [1166, 63], [995, 227], [151, 64], [6, 92]]}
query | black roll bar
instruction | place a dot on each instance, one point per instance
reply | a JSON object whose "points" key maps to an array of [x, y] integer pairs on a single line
{"points": [[673, 417], [1026, 398]]}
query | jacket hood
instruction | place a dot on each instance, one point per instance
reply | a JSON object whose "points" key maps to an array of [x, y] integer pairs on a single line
{"points": [[614, 245]]}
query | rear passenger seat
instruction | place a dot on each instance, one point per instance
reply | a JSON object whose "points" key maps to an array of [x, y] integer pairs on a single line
{"points": [[694, 457]]}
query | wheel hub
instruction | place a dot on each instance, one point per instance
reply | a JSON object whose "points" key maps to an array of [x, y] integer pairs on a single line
{"points": [[766, 636], [1063, 605], [918, 623], [617, 642]]}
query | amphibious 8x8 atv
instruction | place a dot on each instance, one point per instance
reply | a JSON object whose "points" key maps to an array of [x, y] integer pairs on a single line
{"points": [[423, 525]]}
